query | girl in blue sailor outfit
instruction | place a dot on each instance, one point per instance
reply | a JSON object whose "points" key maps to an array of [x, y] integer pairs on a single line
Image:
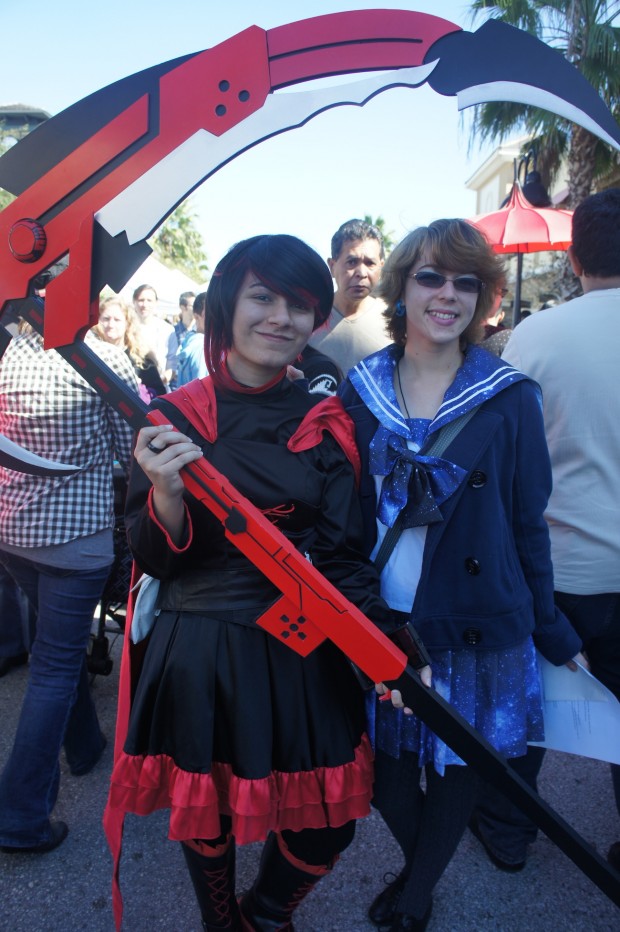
{"points": [[471, 562]]}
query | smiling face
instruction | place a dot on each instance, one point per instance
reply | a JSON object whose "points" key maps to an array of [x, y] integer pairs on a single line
{"points": [[268, 332], [437, 317], [356, 271], [113, 324]]}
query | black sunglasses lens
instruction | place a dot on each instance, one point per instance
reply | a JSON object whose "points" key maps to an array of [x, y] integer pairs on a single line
{"points": [[430, 279], [468, 285]]}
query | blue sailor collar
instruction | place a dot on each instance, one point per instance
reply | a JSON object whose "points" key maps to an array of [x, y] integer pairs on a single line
{"points": [[481, 376], [415, 485]]}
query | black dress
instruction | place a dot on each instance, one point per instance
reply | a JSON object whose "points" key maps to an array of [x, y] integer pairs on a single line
{"points": [[225, 718]]}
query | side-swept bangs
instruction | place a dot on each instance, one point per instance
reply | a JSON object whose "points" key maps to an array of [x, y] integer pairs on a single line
{"points": [[452, 245], [285, 264]]}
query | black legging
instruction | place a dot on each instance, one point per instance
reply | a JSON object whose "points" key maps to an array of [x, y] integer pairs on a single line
{"points": [[316, 846], [427, 826], [319, 846]]}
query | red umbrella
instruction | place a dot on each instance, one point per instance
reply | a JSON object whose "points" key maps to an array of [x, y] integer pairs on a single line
{"points": [[520, 227]]}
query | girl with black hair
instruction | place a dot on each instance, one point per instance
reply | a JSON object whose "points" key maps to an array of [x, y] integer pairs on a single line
{"points": [[241, 737]]}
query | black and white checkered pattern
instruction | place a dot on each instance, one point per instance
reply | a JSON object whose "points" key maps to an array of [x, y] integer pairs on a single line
{"points": [[46, 407]]}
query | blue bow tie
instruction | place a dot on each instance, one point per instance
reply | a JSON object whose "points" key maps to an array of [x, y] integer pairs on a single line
{"points": [[414, 484]]}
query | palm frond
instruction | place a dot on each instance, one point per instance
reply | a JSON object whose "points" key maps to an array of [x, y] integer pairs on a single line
{"points": [[584, 32]]}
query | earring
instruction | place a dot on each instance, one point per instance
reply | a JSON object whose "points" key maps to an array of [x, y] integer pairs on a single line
{"points": [[399, 309]]}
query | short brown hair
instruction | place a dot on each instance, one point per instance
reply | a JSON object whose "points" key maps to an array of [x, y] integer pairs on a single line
{"points": [[453, 245]]}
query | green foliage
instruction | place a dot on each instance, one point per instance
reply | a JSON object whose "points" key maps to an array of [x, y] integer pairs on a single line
{"points": [[583, 32], [5, 197], [179, 245], [388, 235]]}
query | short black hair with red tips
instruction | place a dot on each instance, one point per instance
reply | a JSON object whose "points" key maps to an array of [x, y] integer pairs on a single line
{"points": [[285, 264]]}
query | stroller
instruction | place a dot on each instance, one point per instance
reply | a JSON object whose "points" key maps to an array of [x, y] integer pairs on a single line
{"points": [[113, 604]]}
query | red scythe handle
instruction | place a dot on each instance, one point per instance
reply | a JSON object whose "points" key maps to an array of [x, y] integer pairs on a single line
{"points": [[311, 609]]}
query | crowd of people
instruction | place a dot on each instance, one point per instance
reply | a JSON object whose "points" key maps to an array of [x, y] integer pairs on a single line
{"points": [[452, 478]]}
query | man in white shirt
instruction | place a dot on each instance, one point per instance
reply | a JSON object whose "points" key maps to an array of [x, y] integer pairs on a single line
{"points": [[572, 351], [355, 328], [158, 335]]}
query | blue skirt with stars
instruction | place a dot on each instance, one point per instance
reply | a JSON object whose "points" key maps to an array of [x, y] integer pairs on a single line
{"points": [[498, 692]]}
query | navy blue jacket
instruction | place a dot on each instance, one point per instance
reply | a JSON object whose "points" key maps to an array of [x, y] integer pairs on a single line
{"points": [[486, 580]]}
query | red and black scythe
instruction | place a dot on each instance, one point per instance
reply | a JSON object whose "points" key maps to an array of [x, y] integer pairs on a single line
{"points": [[94, 182]]}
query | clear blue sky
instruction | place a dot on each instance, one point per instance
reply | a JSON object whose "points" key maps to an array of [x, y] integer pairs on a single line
{"points": [[403, 155]]}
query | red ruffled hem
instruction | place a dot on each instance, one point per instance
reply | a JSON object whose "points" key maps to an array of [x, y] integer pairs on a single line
{"points": [[310, 799]]}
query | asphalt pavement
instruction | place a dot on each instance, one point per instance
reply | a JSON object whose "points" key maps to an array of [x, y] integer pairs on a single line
{"points": [[69, 889]]}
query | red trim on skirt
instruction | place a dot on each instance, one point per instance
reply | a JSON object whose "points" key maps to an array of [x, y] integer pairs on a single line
{"points": [[325, 796]]}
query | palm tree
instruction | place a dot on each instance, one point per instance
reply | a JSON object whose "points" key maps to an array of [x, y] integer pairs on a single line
{"points": [[388, 235], [5, 196], [584, 32], [179, 244]]}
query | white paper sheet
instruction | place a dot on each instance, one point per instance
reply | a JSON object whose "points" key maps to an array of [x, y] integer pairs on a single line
{"points": [[581, 715]]}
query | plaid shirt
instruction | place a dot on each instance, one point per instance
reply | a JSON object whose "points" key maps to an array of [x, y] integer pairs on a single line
{"points": [[46, 407]]}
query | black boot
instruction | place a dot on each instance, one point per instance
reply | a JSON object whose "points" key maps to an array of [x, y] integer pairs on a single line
{"points": [[277, 891], [214, 884], [404, 923], [383, 908]]}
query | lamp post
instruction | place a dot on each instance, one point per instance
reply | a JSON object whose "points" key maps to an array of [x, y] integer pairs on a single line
{"points": [[536, 194], [532, 186]]}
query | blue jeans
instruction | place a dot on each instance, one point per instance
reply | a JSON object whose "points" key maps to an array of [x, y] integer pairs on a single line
{"points": [[17, 618], [57, 706], [505, 829], [596, 619]]}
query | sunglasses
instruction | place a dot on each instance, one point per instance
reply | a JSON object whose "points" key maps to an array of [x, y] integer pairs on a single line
{"points": [[465, 283]]}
